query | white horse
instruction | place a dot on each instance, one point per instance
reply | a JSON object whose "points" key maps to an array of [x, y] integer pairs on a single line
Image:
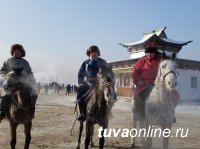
{"points": [[160, 103]]}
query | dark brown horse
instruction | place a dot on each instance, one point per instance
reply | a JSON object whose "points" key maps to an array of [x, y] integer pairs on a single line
{"points": [[100, 99], [21, 108]]}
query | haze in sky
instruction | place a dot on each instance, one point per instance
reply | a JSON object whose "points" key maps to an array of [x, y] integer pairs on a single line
{"points": [[57, 33]]}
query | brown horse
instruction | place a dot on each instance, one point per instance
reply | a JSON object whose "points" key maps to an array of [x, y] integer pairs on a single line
{"points": [[21, 109], [100, 99]]}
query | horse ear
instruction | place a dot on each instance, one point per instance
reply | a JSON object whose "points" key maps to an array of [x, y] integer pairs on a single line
{"points": [[164, 56], [173, 56]]}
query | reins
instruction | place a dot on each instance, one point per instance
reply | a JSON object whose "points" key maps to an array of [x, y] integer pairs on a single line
{"points": [[19, 105], [75, 110], [105, 85]]}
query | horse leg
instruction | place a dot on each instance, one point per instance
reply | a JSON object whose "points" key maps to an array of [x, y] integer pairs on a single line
{"points": [[13, 135], [134, 126], [149, 142], [143, 125], [91, 136], [101, 139], [165, 142], [80, 133], [133, 138], [27, 132], [166, 139], [88, 130]]}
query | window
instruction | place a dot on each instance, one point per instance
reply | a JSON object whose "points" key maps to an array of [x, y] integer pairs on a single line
{"points": [[193, 82], [126, 80]]}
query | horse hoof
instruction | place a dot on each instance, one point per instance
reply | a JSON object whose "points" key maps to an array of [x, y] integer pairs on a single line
{"points": [[132, 145], [92, 144]]}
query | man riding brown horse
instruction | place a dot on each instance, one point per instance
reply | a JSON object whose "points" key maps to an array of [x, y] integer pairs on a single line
{"points": [[17, 61], [87, 76]]}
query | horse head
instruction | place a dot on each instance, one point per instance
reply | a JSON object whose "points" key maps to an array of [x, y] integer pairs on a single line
{"points": [[107, 83], [168, 72], [14, 80]]}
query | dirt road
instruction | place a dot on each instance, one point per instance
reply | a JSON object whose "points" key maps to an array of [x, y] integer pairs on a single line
{"points": [[54, 119]]}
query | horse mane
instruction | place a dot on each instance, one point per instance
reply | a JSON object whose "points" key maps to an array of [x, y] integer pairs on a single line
{"points": [[97, 103], [106, 74], [157, 80]]}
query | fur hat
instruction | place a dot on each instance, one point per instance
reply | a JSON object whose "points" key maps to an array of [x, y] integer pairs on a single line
{"points": [[151, 49], [19, 47], [93, 49]]}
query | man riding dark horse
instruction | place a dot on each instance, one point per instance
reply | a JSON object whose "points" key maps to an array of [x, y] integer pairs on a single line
{"points": [[87, 76], [17, 61]]}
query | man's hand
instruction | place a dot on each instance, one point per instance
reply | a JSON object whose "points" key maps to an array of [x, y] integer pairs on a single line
{"points": [[80, 85]]}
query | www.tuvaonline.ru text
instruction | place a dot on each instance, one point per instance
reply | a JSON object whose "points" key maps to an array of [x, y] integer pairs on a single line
{"points": [[151, 131]]}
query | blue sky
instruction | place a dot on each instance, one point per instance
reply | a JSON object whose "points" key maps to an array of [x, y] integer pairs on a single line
{"points": [[56, 33]]}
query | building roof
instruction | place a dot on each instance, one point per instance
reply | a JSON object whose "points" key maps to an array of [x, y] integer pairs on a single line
{"points": [[156, 38]]}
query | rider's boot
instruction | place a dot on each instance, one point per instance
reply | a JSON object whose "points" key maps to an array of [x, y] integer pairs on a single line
{"points": [[82, 109]]}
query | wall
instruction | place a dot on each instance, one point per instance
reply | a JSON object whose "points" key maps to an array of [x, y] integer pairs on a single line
{"points": [[183, 87], [136, 55], [184, 84]]}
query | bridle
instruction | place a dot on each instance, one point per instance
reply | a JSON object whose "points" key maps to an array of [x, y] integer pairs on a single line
{"points": [[165, 75], [19, 105]]}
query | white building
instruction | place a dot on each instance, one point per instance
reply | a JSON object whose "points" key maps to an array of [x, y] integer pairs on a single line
{"points": [[188, 81]]}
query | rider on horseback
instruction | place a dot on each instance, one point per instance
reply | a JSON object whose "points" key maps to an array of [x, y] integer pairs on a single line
{"points": [[144, 74], [87, 76], [17, 61]]}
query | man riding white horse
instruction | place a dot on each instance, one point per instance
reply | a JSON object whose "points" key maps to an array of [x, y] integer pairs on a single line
{"points": [[17, 61], [144, 74], [87, 76]]}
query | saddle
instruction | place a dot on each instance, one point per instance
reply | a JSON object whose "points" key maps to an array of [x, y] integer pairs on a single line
{"points": [[145, 92]]}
